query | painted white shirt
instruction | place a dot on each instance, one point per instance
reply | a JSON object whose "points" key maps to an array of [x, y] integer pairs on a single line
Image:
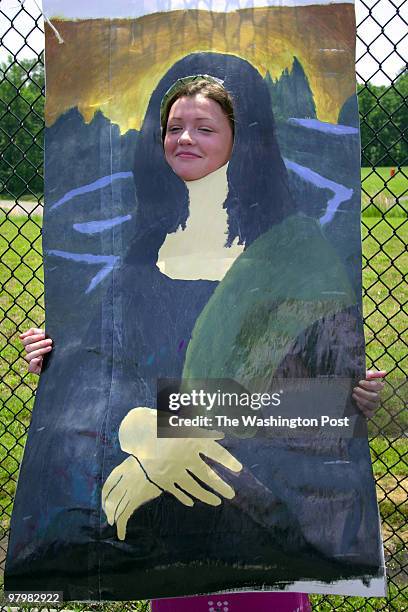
{"points": [[199, 251]]}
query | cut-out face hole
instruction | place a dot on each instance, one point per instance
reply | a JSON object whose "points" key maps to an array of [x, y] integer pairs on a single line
{"points": [[198, 138]]}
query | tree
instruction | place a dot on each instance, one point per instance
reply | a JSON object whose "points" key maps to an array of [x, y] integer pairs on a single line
{"points": [[291, 94], [22, 125], [383, 120]]}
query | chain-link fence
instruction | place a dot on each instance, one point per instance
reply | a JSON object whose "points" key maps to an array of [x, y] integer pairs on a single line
{"points": [[384, 116]]}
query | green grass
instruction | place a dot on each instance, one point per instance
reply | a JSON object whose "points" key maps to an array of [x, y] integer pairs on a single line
{"points": [[385, 325], [385, 288], [385, 315], [383, 194], [22, 293], [395, 602], [385, 262]]}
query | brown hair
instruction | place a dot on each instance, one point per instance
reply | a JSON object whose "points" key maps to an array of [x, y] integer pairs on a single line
{"points": [[207, 88]]}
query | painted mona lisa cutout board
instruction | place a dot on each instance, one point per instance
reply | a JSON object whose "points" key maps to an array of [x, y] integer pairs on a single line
{"points": [[251, 274]]}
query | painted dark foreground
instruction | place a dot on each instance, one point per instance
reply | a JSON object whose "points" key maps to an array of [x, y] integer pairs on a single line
{"points": [[305, 508]]}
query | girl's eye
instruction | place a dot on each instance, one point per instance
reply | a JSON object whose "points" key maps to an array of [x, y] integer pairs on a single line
{"points": [[204, 129], [173, 128]]}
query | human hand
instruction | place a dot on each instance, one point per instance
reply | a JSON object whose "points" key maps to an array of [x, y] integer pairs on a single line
{"points": [[125, 490], [367, 393], [36, 346], [172, 462]]}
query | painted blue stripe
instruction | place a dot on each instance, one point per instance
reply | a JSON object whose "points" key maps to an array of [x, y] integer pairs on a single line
{"points": [[109, 262], [98, 184], [341, 193], [96, 227], [322, 126]]}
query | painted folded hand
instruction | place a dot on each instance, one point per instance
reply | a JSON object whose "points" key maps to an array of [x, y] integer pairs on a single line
{"points": [[159, 464], [125, 490], [176, 465]]}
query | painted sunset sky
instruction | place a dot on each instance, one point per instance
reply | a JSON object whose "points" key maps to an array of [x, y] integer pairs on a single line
{"points": [[113, 63]]}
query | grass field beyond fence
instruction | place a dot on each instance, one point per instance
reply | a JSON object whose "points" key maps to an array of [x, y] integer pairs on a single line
{"points": [[383, 194]]}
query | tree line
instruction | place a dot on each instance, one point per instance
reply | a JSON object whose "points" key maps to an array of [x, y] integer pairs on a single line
{"points": [[383, 119], [383, 122], [21, 127]]}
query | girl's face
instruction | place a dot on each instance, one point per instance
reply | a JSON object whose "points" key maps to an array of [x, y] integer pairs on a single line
{"points": [[198, 137]]}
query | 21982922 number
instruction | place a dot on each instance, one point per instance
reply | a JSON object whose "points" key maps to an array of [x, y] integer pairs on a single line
{"points": [[16, 597]]}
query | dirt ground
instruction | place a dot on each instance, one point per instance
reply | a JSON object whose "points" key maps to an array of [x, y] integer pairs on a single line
{"points": [[22, 208]]}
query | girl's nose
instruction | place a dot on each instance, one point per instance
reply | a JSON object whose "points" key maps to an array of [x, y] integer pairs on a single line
{"points": [[185, 137]]}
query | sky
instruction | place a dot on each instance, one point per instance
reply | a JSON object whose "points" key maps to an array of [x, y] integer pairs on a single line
{"points": [[29, 22]]}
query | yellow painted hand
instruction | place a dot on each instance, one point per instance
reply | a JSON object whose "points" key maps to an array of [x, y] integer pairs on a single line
{"points": [[174, 464], [125, 490]]}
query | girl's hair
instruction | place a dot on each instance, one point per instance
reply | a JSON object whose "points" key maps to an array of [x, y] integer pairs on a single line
{"points": [[258, 190], [191, 86]]}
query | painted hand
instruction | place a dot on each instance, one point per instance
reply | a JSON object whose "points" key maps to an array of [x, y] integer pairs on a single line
{"points": [[367, 393], [125, 490], [175, 464]]}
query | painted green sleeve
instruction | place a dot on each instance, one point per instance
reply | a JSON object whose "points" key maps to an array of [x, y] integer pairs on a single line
{"points": [[286, 281]]}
